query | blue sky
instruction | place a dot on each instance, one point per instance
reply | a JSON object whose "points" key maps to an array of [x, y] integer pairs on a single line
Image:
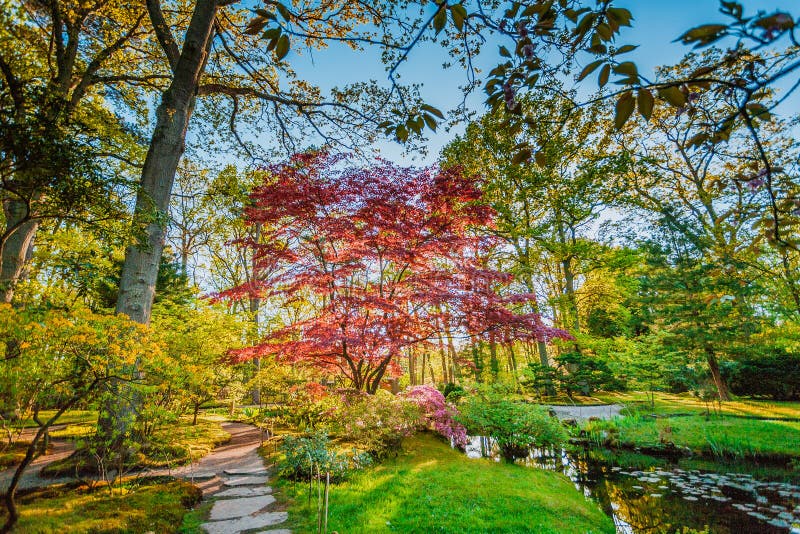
{"points": [[656, 24]]}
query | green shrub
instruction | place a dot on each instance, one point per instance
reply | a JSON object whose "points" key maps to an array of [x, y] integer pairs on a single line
{"points": [[453, 392], [310, 456], [775, 375], [583, 374], [541, 379], [515, 426]]}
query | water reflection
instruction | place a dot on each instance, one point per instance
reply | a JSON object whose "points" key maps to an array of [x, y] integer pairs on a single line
{"points": [[665, 499]]}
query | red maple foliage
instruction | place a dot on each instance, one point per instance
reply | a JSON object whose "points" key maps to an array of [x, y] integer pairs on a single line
{"points": [[385, 255]]}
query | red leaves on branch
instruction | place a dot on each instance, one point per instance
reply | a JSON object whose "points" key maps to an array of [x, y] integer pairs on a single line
{"points": [[382, 257]]}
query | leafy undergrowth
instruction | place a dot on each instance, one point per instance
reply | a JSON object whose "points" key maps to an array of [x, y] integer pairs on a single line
{"points": [[433, 488], [721, 437], [144, 505], [194, 518], [686, 403], [169, 446]]}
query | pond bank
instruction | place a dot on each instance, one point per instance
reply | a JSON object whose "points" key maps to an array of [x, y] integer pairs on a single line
{"points": [[644, 494]]}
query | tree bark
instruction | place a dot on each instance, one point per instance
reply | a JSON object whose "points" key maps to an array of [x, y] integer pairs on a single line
{"points": [[255, 305], [142, 259], [543, 359], [455, 371], [140, 270], [17, 247], [713, 365]]}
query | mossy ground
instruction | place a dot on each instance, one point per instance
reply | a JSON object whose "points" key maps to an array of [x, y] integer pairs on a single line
{"points": [[144, 505], [169, 446]]}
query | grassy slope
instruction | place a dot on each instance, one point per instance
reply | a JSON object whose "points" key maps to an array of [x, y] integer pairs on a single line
{"points": [[432, 488], [157, 506]]}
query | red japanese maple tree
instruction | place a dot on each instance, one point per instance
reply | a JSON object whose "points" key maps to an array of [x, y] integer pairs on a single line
{"points": [[384, 255]]}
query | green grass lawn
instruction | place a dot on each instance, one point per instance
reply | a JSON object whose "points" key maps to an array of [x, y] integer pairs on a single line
{"points": [[712, 436], [668, 403], [432, 488], [741, 428], [151, 506]]}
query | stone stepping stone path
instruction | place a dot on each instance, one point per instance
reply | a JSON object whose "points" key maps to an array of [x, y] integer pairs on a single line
{"points": [[243, 506], [242, 500]]}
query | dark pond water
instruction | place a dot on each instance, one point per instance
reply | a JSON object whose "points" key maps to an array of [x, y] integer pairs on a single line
{"points": [[658, 497]]}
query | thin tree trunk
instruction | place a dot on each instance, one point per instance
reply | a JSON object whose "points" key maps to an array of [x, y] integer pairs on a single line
{"points": [[17, 247], [443, 356], [512, 358], [713, 366], [569, 286], [455, 371], [255, 305], [412, 372], [494, 365]]}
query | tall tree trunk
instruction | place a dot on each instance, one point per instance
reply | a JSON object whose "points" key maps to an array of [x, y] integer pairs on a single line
{"points": [[455, 371], [713, 366], [140, 270], [494, 364], [443, 356], [142, 259], [512, 359], [255, 305], [477, 359], [17, 248], [569, 287], [543, 359]]}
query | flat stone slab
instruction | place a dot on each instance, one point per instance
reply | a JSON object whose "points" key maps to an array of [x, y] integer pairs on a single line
{"points": [[247, 471], [243, 506], [204, 475], [243, 491], [250, 522], [247, 481], [275, 531], [582, 413]]}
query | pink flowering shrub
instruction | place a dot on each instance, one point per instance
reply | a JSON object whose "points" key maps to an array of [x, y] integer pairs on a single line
{"points": [[437, 413]]}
